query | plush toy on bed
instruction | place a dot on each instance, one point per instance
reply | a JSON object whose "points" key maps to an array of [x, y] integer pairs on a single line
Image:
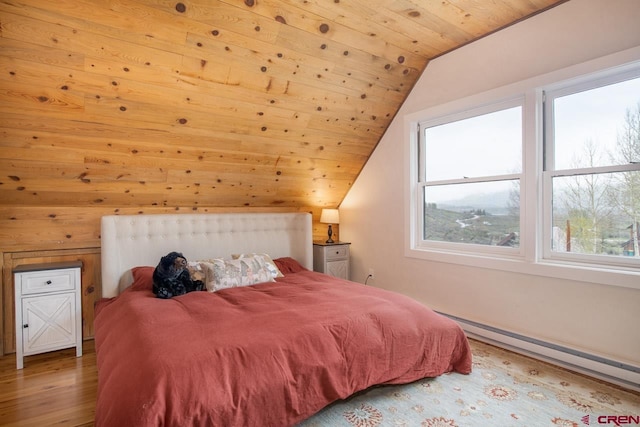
{"points": [[172, 277]]}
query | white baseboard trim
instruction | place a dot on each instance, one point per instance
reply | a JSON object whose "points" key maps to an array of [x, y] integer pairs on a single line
{"points": [[619, 373]]}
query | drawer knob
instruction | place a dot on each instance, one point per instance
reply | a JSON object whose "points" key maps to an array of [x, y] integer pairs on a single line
{"points": [[48, 282], [26, 325]]}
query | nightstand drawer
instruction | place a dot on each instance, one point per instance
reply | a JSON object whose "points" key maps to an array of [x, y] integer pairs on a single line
{"points": [[37, 282], [337, 252]]}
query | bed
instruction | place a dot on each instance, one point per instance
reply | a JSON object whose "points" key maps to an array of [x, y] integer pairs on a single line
{"points": [[264, 354]]}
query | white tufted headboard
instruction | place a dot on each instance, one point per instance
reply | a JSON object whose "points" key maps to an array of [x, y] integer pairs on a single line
{"points": [[141, 240]]}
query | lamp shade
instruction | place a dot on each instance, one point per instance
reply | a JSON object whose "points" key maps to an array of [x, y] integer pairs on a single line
{"points": [[330, 216]]}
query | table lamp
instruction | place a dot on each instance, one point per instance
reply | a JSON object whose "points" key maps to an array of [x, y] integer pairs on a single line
{"points": [[330, 216]]}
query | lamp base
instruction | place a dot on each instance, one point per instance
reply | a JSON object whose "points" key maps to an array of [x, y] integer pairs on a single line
{"points": [[330, 233]]}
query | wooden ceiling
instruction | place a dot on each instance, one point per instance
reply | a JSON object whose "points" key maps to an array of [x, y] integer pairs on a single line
{"points": [[212, 102]]}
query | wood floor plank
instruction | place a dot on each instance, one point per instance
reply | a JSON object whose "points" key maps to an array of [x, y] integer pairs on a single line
{"points": [[54, 388]]}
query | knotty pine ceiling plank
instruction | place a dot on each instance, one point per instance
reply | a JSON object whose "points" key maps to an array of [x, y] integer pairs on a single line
{"points": [[537, 6], [499, 13], [359, 17], [273, 90], [431, 42], [260, 67], [318, 44], [12, 150], [428, 15], [229, 42], [227, 45], [89, 44], [114, 19], [195, 83], [222, 196], [20, 215], [109, 137], [142, 115], [357, 84], [226, 185], [345, 125], [148, 114], [39, 176], [38, 173], [124, 90], [451, 16], [25, 51], [303, 19], [510, 11], [125, 167], [199, 171], [33, 98], [219, 15], [206, 160]]}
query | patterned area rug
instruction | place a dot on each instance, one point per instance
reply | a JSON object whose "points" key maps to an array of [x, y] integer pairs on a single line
{"points": [[505, 389]]}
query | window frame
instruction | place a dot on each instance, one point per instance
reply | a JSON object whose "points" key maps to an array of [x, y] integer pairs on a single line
{"points": [[455, 247], [533, 258]]}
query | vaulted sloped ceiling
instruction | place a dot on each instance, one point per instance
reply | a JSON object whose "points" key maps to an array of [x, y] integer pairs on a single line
{"points": [[212, 102]]}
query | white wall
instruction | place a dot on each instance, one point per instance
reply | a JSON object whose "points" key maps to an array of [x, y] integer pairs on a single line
{"points": [[595, 318]]}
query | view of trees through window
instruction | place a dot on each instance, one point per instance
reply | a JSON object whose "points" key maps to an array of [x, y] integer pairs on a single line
{"points": [[599, 212]]}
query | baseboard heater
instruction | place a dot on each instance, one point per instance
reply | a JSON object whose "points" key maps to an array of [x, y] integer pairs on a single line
{"points": [[622, 374]]}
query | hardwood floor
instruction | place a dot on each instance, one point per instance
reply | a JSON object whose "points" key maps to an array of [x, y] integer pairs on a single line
{"points": [[53, 389]]}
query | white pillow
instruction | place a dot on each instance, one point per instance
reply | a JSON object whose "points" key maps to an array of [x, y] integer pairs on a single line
{"points": [[224, 273], [273, 268]]}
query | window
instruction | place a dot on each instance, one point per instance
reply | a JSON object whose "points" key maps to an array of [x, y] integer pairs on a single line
{"points": [[540, 177], [592, 171], [470, 172]]}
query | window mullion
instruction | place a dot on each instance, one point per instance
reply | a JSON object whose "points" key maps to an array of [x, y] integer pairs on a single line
{"points": [[531, 188]]}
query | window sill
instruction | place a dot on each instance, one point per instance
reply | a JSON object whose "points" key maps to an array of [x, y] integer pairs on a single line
{"points": [[555, 269]]}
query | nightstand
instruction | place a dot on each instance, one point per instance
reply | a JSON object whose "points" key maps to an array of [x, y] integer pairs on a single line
{"points": [[48, 308], [331, 258]]}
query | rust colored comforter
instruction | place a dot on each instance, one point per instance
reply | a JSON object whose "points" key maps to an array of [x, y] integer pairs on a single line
{"points": [[270, 354]]}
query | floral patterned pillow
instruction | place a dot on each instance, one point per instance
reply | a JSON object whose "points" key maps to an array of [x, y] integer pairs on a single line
{"points": [[224, 273]]}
